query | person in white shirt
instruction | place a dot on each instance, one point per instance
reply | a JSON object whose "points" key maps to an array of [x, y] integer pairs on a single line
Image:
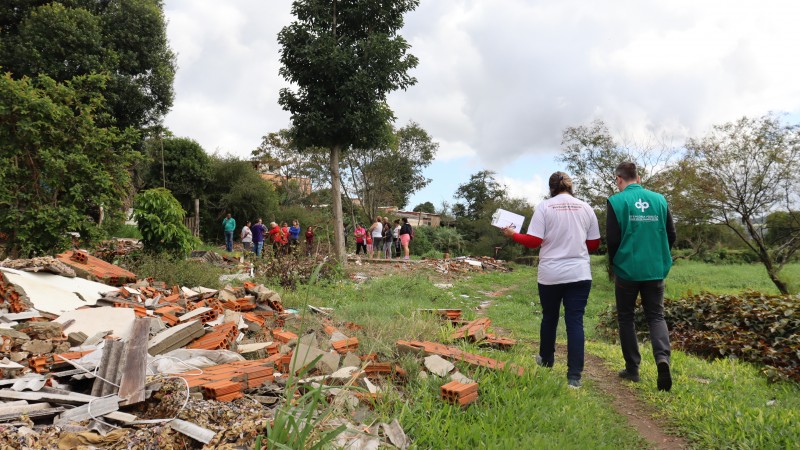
{"points": [[566, 229], [247, 236], [376, 231]]}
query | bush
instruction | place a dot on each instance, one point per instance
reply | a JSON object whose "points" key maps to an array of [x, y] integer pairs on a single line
{"points": [[751, 326], [160, 219], [291, 270]]}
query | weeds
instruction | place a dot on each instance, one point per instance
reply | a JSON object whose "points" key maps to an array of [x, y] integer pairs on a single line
{"points": [[173, 270]]}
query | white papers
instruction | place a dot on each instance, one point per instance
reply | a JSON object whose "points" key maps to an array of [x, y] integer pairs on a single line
{"points": [[506, 219]]}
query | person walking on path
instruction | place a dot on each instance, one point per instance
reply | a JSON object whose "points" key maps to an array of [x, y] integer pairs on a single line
{"points": [[567, 230], [640, 234], [360, 234], [376, 231], [259, 231], [247, 236], [388, 239], [406, 232], [228, 225]]}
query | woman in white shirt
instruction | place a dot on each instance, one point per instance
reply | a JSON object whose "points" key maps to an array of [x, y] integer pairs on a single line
{"points": [[566, 229], [247, 237]]}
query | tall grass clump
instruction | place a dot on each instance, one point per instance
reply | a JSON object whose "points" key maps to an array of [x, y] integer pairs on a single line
{"points": [[173, 270]]}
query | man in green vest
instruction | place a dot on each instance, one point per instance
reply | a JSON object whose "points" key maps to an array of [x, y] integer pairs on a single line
{"points": [[640, 233]]}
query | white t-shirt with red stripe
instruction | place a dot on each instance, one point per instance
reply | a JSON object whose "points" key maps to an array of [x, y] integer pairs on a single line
{"points": [[564, 224]]}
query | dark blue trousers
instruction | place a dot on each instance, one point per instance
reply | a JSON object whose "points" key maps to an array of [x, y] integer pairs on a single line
{"points": [[574, 297]]}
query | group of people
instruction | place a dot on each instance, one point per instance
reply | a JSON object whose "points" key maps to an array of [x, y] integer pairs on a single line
{"points": [[640, 233], [285, 239], [384, 239]]}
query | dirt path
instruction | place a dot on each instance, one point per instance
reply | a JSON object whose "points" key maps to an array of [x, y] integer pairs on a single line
{"points": [[624, 400], [640, 415]]}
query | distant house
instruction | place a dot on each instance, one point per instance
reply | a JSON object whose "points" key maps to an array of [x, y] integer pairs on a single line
{"points": [[414, 218], [269, 174]]}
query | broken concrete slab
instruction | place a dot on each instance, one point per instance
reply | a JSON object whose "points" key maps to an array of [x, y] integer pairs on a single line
{"points": [[131, 387], [351, 359], [329, 363], [302, 356], [95, 408], [309, 339], [38, 347], [93, 320], [438, 365], [461, 378], [175, 337]]}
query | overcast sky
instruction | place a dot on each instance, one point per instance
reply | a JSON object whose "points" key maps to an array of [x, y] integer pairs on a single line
{"points": [[499, 80]]}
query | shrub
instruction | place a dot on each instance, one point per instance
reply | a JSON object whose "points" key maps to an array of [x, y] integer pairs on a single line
{"points": [[160, 219], [751, 326]]}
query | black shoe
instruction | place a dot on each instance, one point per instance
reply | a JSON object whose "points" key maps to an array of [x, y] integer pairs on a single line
{"points": [[664, 381], [626, 374]]}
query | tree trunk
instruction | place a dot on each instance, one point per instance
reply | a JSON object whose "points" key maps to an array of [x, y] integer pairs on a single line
{"points": [[336, 193], [766, 258]]}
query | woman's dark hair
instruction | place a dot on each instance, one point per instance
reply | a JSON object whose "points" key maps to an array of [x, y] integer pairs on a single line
{"points": [[560, 183], [405, 219]]}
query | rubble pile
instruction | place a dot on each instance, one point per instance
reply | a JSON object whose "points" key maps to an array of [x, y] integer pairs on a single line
{"points": [[106, 360], [111, 249], [467, 264]]}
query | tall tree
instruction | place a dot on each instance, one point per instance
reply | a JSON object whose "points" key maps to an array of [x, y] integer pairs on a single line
{"points": [[425, 207], [180, 165], [278, 154], [58, 168], [123, 39], [344, 56], [390, 176], [750, 168], [235, 187], [591, 154], [477, 194]]}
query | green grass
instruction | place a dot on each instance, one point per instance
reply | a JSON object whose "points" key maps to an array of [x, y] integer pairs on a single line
{"points": [[714, 404], [536, 410]]}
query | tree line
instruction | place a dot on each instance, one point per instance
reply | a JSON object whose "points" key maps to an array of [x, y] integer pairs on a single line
{"points": [[85, 86]]}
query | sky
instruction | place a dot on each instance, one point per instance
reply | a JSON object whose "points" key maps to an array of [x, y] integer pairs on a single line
{"points": [[499, 80]]}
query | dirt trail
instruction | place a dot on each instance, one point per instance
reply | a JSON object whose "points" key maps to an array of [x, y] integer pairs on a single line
{"points": [[640, 415]]}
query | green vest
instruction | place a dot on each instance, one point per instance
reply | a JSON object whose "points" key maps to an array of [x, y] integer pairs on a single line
{"points": [[643, 252]]}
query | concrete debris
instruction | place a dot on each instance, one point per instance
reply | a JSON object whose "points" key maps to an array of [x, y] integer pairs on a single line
{"points": [[438, 365], [41, 264], [173, 358]]}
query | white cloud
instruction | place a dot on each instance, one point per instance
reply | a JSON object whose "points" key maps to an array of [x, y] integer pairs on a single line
{"points": [[533, 190], [501, 79]]}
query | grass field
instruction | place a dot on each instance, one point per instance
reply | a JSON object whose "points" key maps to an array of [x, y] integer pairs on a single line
{"points": [[719, 404]]}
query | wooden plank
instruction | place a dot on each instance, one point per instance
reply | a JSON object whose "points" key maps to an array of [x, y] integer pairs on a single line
{"points": [[131, 387]]}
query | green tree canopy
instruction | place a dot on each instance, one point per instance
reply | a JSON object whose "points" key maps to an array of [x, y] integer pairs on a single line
{"points": [[425, 207], [235, 187], [185, 169], [749, 168], [389, 176], [58, 168], [123, 39], [344, 57]]}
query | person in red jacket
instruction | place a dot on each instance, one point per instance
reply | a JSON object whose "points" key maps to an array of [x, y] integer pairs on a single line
{"points": [[275, 237], [566, 229], [285, 238]]}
